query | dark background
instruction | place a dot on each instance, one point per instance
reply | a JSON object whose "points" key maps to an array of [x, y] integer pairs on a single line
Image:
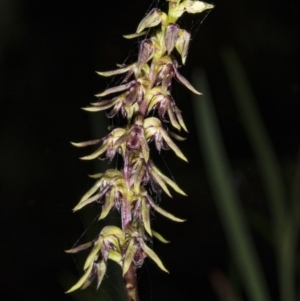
{"points": [[49, 51]]}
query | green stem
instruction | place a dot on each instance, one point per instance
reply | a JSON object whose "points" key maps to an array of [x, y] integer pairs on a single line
{"points": [[131, 284]]}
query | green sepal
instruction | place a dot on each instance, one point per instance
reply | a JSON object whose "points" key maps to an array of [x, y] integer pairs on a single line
{"points": [[185, 82], [152, 255], [112, 230], [81, 281], [153, 18], [115, 256], [168, 180], [102, 105], [146, 216], [165, 213], [86, 143], [159, 237], [129, 256], [115, 72], [137, 177], [145, 149], [172, 145], [114, 90], [91, 191], [161, 183], [108, 204], [97, 153], [91, 200], [172, 117], [180, 119], [176, 136], [93, 253], [134, 35], [80, 248], [101, 270], [96, 176]]}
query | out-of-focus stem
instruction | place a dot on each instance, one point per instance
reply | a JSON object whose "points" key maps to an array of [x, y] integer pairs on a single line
{"points": [[131, 284]]}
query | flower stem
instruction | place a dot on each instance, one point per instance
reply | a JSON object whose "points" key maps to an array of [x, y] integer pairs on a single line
{"points": [[131, 284]]}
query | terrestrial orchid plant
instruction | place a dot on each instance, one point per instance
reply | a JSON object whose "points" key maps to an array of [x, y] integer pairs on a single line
{"points": [[146, 87]]}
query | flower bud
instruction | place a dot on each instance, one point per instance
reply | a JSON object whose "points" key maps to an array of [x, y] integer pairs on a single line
{"points": [[145, 52], [182, 44], [171, 36], [195, 7], [152, 19]]}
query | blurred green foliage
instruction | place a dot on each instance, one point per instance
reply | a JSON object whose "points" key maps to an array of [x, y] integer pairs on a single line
{"points": [[284, 205]]}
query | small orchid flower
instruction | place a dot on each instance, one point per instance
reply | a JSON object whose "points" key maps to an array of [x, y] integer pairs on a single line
{"points": [[135, 138], [176, 9], [109, 241], [111, 186], [155, 131], [107, 146], [164, 103]]}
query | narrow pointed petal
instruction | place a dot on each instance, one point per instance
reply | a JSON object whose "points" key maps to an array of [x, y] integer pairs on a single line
{"points": [[165, 213], [81, 280], [137, 178], [172, 145], [91, 191], [86, 143], [114, 111], [168, 180], [146, 217], [102, 105], [173, 185], [180, 119], [96, 197], [109, 203], [80, 248], [89, 281], [95, 109], [185, 82], [122, 139], [131, 249], [177, 137], [152, 19], [134, 35], [153, 256], [101, 270], [115, 72], [160, 237], [97, 153], [172, 117], [94, 254], [96, 176], [145, 149], [154, 101], [115, 89], [161, 183]]}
